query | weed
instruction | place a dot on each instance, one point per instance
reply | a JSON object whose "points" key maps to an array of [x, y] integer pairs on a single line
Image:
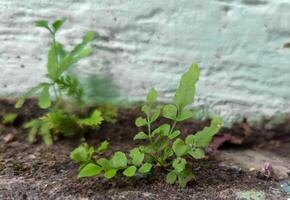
{"points": [[165, 148], [60, 120]]}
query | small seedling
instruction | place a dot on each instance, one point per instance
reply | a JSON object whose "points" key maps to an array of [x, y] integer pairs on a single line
{"points": [[60, 119], [165, 148]]}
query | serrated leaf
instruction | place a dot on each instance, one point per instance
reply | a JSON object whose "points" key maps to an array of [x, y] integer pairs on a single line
{"points": [[93, 121], [103, 147], [145, 168], [184, 115], [118, 160], [90, 170], [179, 164], [203, 138], [110, 173], [140, 122], [174, 134], [137, 156], [170, 111], [140, 136], [44, 98], [197, 153], [151, 96], [171, 177], [186, 90], [179, 147], [130, 171]]}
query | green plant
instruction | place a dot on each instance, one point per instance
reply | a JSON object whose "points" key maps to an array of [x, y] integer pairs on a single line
{"points": [[164, 148], [60, 120], [9, 118]]}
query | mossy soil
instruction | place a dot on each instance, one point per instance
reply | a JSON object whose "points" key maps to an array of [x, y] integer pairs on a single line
{"points": [[35, 171]]}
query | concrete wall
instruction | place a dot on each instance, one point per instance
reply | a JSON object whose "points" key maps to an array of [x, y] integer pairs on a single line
{"points": [[237, 43]]}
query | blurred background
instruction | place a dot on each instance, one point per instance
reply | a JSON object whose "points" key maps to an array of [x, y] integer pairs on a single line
{"points": [[238, 44]]}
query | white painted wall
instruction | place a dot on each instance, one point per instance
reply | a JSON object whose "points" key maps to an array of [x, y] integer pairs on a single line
{"points": [[237, 43]]}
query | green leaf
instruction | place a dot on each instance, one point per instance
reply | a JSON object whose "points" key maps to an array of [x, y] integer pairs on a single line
{"points": [[93, 121], [45, 132], [171, 177], [185, 92], [182, 180], [179, 164], [140, 122], [83, 53], [90, 36], [170, 111], [179, 147], [141, 136], [119, 160], [145, 108], [80, 154], [184, 115], [137, 156], [168, 152], [162, 130], [203, 138], [104, 163], [189, 140], [174, 134], [110, 173], [103, 147], [42, 24], [34, 126], [52, 61], [155, 115], [130, 171], [90, 170], [197, 153], [9, 118], [30, 92], [44, 98], [151, 96], [145, 168], [57, 24]]}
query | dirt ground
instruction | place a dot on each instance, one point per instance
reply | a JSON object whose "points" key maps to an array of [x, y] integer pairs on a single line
{"points": [[35, 171]]}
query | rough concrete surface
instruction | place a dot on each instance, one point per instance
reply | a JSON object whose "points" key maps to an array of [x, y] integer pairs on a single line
{"points": [[237, 43]]}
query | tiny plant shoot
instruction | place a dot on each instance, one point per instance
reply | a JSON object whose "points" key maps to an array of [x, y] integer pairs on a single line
{"points": [[60, 83], [164, 147]]}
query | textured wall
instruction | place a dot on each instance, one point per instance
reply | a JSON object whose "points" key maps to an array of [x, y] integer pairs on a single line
{"points": [[237, 43]]}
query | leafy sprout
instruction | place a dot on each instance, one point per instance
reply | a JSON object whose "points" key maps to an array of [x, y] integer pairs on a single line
{"points": [[164, 147]]}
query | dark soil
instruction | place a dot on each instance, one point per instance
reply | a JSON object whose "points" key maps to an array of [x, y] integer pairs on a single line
{"points": [[35, 171]]}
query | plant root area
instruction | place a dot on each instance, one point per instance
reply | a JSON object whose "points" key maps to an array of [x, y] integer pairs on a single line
{"points": [[35, 171]]}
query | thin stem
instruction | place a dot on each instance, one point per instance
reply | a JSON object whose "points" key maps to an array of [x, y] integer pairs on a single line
{"points": [[149, 127]]}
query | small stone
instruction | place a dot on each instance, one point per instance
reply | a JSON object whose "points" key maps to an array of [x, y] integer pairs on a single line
{"points": [[8, 138]]}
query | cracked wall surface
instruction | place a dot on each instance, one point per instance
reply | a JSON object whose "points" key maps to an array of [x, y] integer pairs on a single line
{"points": [[237, 43]]}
